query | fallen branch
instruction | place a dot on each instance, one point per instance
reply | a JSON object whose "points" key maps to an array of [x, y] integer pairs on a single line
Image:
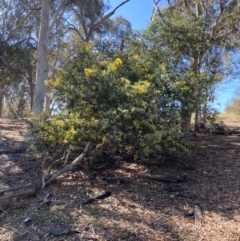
{"points": [[31, 188], [164, 178], [99, 197], [184, 195], [27, 189]]}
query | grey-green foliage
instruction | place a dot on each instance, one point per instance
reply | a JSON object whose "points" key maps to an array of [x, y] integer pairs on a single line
{"points": [[115, 37], [84, 17], [192, 38]]}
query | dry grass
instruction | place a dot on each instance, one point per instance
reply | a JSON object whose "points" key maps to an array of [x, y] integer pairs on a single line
{"points": [[139, 210], [230, 122]]}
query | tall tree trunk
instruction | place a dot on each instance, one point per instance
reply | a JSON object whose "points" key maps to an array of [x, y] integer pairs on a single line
{"points": [[21, 106], [1, 107], [48, 100], [205, 107], [10, 103], [205, 112], [41, 70], [1, 100], [197, 122], [185, 123], [196, 68], [31, 85]]}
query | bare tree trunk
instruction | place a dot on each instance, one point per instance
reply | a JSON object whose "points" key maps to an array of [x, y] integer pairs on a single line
{"points": [[20, 103], [205, 113], [48, 99], [31, 85], [196, 68], [185, 123], [197, 123], [41, 71], [10, 105], [1, 100]]}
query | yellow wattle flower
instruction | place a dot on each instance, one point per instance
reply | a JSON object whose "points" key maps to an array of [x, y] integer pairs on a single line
{"points": [[116, 64], [136, 57], [89, 71]]}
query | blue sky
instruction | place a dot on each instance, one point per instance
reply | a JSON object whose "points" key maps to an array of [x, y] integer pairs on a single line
{"points": [[139, 12]]}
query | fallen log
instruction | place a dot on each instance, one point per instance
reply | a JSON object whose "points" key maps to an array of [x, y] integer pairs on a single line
{"points": [[31, 188], [28, 189], [164, 178]]}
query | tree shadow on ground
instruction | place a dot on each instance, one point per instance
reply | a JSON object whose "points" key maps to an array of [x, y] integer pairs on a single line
{"points": [[140, 209]]}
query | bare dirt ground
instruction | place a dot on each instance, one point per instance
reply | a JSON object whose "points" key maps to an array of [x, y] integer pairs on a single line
{"points": [[137, 210]]}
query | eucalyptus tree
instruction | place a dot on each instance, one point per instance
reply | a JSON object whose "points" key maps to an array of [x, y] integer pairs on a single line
{"points": [[14, 60], [197, 34], [90, 17], [114, 37], [16, 101], [46, 25], [50, 12], [15, 35], [16, 42]]}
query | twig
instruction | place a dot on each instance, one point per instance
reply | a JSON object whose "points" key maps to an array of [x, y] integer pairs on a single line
{"points": [[66, 159]]}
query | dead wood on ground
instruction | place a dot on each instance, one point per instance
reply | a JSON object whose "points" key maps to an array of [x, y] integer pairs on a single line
{"points": [[31, 188], [164, 178]]}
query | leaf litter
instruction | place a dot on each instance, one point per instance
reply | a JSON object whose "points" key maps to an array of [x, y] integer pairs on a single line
{"points": [[138, 209]]}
